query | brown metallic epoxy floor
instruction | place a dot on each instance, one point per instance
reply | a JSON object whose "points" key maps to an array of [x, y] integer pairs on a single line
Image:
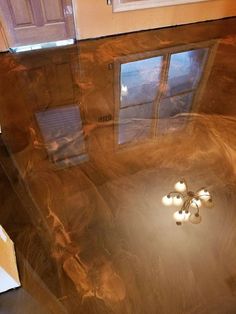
{"points": [[89, 147]]}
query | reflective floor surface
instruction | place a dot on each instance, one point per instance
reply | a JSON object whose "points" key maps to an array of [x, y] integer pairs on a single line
{"points": [[93, 136]]}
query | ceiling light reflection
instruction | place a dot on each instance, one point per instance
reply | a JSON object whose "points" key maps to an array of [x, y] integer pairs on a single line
{"points": [[189, 201]]}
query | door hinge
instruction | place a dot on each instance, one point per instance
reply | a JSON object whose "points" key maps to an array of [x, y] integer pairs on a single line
{"points": [[109, 2]]}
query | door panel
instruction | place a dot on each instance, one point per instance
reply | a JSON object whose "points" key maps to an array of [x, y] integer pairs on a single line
{"points": [[37, 12], [53, 10], [21, 12], [38, 21]]}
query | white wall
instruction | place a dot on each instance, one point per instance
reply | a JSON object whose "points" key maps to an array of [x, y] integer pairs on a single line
{"points": [[94, 18]]}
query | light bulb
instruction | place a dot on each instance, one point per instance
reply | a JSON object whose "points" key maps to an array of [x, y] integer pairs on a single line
{"points": [[178, 216], [204, 195], [167, 200], [186, 216], [196, 203], [195, 218], [180, 186], [177, 200], [181, 216]]}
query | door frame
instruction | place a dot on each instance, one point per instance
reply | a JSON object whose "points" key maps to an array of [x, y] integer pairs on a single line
{"points": [[75, 15], [4, 36]]}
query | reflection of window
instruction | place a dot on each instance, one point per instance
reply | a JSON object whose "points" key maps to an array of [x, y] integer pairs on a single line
{"points": [[140, 81], [158, 87], [184, 74], [185, 70], [139, 85], [170, 107], [63, 135], [126, 5]]}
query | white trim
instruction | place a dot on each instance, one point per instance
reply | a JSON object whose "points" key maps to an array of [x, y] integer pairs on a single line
{"points": [[118, 6], [4, 45], [51, 44], [3, 234], [75, 16]]}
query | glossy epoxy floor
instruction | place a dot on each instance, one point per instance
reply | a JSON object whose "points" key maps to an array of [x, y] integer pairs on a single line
{"points": [[92, 137]]}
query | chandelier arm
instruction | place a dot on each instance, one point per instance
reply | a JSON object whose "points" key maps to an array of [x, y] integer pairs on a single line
{"points": [[178, 193], [183, 206], [198, 210], [186, 205]]}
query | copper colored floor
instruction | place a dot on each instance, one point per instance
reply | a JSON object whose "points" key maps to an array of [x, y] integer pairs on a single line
{"points": [[93, 136]]}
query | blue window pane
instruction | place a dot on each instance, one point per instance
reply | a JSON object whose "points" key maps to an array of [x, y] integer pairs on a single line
{"points": [[140, 81], [185, 70]]}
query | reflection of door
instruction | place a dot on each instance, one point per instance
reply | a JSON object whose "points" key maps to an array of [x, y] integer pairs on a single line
{"points": [[35, 21]]}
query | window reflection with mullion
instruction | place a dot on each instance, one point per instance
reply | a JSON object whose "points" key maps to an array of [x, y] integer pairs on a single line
{"points": [[184, 75], [158, 88], [139, 86]]}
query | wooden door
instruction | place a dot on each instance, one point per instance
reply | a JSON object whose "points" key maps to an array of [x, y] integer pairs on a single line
{"points": [[37, 21]]}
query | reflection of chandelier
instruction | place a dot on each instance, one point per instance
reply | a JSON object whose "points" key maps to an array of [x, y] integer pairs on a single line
{"points": [[188, 201]]}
